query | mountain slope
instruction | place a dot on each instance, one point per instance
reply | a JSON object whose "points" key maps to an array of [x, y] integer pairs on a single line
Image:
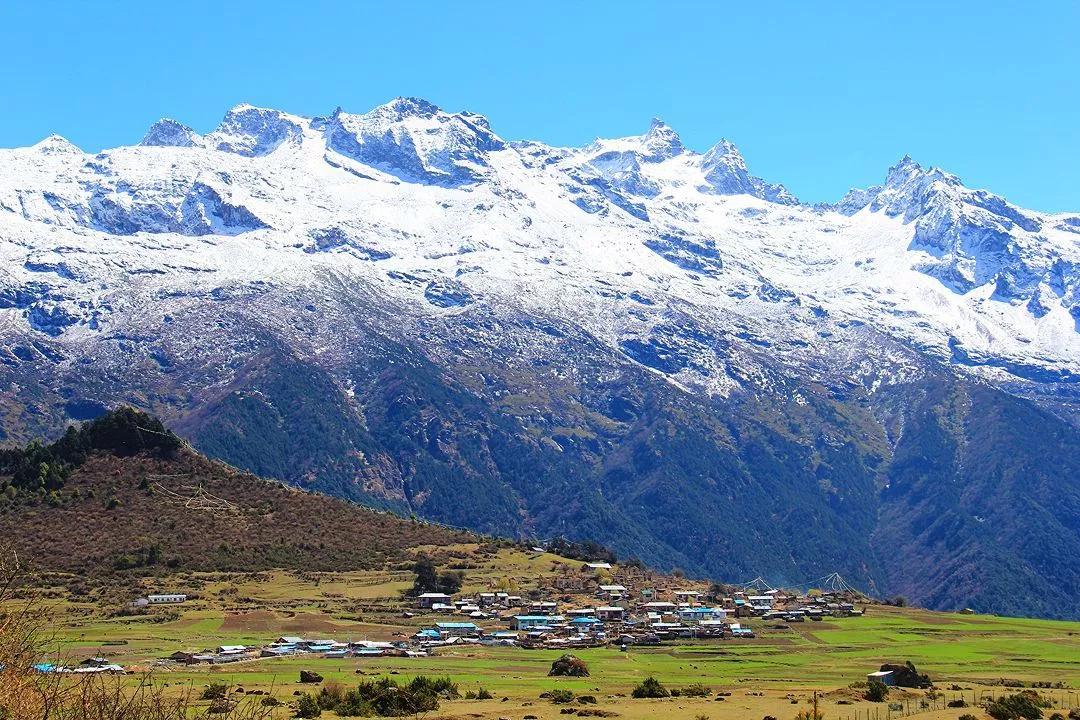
{"points": [[630, 341], [983, 504], [156, 510]]}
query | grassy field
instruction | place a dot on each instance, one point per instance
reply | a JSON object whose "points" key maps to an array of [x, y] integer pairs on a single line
{"points": [[763, 675]]}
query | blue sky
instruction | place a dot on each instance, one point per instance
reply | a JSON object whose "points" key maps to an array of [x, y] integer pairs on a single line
{"points": [[821, 99]]}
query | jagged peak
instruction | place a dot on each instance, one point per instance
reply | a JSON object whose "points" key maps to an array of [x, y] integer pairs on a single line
{"points": [[253, 131], [661, 142], [725, 152], [905, 184], [906, 162], [724, 147], [167, 132], [415, 140], [907, 169], [940, 201], [247, 110], [476, 119], [401, 108], [725, 173]]}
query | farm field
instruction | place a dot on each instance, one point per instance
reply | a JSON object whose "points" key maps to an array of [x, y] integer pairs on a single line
{"points": [[966, 655], [954, 648], [763, 675]]}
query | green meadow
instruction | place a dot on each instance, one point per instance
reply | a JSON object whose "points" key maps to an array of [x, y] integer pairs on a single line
{"points": [[774, 674]]}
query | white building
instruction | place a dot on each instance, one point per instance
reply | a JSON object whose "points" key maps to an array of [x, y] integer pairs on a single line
{"points": [[426, 600], [882, 676], [612, 591], [659, 606], [761, 602], [166, 598], [611, 613]]}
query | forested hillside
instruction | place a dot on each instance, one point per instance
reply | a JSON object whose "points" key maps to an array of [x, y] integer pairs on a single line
{"points": [[122, 494]]}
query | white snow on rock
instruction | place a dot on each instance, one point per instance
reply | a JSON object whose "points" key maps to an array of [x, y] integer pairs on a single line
{"points": [[621, 238]]}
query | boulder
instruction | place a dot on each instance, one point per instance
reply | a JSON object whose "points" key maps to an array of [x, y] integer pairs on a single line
{"points": [[906, 675], [569, 666], [309, 676]]}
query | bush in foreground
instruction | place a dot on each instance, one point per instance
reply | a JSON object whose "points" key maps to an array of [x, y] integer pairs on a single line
{"points": [[876, 691], [695, 690], [1015, 707], [559, 696], [308, 707], [650, 688], [25, 641]]}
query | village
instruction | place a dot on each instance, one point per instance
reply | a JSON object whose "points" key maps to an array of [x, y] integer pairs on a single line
{"points": [[512, 626], [591, 609]]}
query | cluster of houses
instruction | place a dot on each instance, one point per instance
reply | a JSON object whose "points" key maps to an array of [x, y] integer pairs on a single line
{"points": [[287, 646], [90, 666], [616, 615], [618, 618], [161, 599]]}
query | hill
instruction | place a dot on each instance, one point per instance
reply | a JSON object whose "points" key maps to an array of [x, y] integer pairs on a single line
{"points": [[122, 494]]}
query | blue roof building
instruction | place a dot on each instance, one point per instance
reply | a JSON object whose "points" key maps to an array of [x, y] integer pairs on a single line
{"points": [[459, 629], [583, 621], [698, 614], [531, 622]]}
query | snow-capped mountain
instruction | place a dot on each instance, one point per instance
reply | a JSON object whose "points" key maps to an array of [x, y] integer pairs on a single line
{"points": [[209, 276], [958, 273]]}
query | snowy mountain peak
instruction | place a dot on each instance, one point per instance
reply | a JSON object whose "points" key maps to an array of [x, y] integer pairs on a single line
{"points": [[726, 174], [972, 239], [439, 196], [907, 188], [661, 142], [254, 131], [723, 153], [57, 145], [907, 171], [401, 108], [415, 141], [906, 162], [170, 133]]}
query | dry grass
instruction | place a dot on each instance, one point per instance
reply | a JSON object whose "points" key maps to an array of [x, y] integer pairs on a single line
{"points": [[146, 515], [27, 694]]}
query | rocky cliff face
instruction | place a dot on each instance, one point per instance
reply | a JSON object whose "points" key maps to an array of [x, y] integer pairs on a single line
{"points": [[630, 340]]}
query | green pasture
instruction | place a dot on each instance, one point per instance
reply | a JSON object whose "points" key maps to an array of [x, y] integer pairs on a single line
{"points": [[764, 675]]}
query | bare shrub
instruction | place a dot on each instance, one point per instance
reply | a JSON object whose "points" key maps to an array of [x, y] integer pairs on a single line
{"points": [[26, 691]]}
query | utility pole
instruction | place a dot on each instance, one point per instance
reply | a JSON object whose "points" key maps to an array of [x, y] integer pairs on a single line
{"points": [[815, 705]]}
